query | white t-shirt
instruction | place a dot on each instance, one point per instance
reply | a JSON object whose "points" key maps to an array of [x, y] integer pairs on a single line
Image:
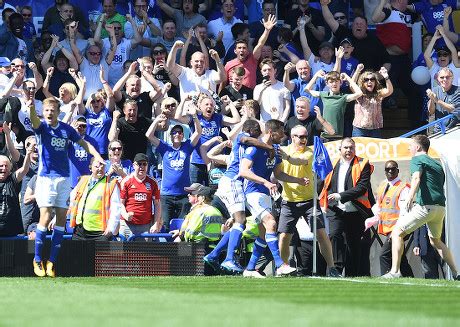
{"points": [[24, 116], [121, 55], [317, 65], [273, 97], [219, 24], [91, 72], [189, 81]]}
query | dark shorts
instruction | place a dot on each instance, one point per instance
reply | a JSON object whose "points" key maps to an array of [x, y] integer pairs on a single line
{"points": [[292, 211]]}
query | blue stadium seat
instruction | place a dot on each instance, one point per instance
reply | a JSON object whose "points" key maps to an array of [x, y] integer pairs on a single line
{"points": [[175, 223], [68, 229]]}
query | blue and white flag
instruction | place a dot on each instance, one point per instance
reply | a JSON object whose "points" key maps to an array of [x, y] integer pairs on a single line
{"points": [[322, 165]]}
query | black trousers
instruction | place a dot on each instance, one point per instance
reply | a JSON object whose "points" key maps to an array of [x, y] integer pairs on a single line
{"points": [[173, 206], [385, 259], [80, 234], [350, 245]]}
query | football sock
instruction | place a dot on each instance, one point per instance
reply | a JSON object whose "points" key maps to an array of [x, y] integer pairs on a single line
{"points": [[258, 250], [40, 235], [56, 239], [234, 240], [272, 242]]}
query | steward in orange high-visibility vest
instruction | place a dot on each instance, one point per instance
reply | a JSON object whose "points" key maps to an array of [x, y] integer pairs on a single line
{"points": [[93, 209], [361, 202], [389, 205]]}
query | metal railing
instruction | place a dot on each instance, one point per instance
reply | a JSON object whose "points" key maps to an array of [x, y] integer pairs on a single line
{"points": [[433, 123]]}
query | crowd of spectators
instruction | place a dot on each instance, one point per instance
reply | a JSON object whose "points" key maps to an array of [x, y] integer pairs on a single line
{"points": [[168, 85]]}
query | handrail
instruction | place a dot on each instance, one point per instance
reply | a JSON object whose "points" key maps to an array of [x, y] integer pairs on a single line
{"points": [[443, 128]]}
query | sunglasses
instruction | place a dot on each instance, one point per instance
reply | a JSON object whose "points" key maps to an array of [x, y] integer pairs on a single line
{"points": [[114, 148], [19, 66], [117, 28], [95, 100], [340, 17], [142, 163], [445, 77], [301, 137], [388, 169], [95, 53], [369, 79], [81, 126], [158, 52], [170, 105], [177, 132]]}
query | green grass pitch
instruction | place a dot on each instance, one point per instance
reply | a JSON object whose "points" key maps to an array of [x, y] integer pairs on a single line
{"points": [[227, 301]]}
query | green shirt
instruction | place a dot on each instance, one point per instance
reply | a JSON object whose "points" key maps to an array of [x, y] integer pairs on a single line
{"points": [[431, 188], [334, 109]]}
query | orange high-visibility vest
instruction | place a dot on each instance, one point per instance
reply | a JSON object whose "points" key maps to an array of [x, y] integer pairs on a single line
{"points": [[80, 190], [389, 207], [356, 169]]}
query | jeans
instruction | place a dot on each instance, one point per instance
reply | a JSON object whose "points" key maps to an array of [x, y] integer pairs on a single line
{"points": [[173, 206], [361, 132]]}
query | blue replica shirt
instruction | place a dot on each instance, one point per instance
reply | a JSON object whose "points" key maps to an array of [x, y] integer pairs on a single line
{"points": [[210, 129], [262, 166], [348, 66], [235, 157], [433, 15], [299, 91], [176, 167], [53, 147], [79, 160], [98, 126]]}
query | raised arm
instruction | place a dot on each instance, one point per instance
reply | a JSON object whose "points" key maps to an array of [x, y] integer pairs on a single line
{"points": [[303, 39], [110, 102], [328, 16], [288, 68], [318, 32], [195, 137], [33, 115], [282, 176], [113, 44], [150, 134], [445, 23], [166, 8], [357, 93], [91, 150], [450, 45], [215, 154], [339, 53], [183, 53], [378, 14], [268, 26], [72, 36], [181, 114], [15, 155], [136, 30], [81, 82], [235, 119], [121, 82], [37, 76], [46, 60], [171, 64], [388, 90], [309, 87], [220, 67], [98, 31], [21, 172], [429, 49], [114, 130], [357, 72]]}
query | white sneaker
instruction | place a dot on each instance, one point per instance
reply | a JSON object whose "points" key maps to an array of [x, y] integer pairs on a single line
{"points": [[390, 275], [285, 270], [252, 274]]}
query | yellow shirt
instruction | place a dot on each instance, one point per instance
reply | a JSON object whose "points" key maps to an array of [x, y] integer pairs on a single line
{"points": [[293, 192]]}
